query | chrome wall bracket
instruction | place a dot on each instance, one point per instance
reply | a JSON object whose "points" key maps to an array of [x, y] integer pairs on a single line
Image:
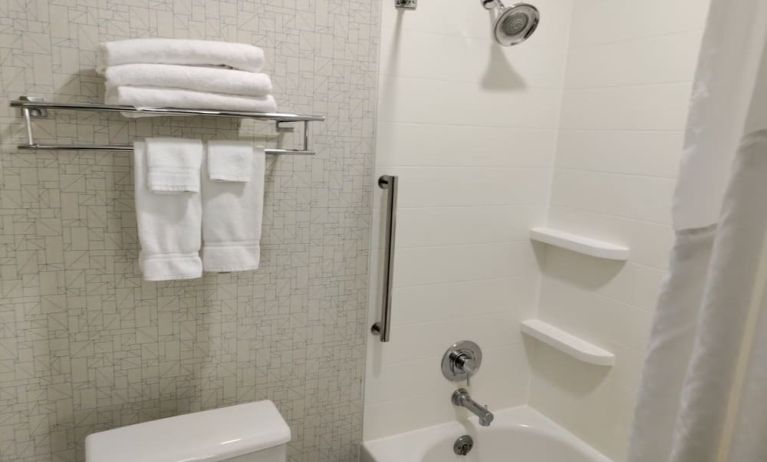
{"points": [[282, 127], [406, 4], [461, 361], [35, 112]]}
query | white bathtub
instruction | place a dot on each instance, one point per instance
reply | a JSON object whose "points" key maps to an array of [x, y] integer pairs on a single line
{"points": [[519, 434]]}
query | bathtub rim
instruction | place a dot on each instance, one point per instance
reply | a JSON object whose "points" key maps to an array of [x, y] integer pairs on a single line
{"points": [[525, 417]]}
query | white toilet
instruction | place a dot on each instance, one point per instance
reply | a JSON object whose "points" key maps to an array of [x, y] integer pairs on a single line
{"points": [[253, 432]]}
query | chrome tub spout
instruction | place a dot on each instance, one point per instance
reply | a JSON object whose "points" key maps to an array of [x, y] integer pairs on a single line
{"points": [[462, 398]]}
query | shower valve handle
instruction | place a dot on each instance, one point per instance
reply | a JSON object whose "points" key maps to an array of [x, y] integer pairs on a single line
{"points": [[464, 361], [461, 361]]}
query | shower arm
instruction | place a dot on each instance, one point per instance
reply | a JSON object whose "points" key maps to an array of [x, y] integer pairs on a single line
{"points": [[490, 4]]}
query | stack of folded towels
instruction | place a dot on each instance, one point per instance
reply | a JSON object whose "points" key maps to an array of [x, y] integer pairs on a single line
{"points": [[171, 73]]}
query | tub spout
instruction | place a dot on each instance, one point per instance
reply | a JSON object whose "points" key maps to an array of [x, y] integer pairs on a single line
{"points": [[462, 398]]}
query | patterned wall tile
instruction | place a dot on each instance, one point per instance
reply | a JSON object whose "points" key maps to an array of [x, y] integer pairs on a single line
{"points": [[85, 344]]}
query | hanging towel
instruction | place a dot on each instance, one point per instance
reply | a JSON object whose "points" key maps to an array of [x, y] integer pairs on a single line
{"points": [[231, 227], [169, 228], [171, 98], [180, 51], [230, 160], [173, 164], [204, 79]]}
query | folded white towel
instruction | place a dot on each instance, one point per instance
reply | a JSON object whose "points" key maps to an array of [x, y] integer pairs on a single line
{"points": [[173, 164], [169, 228], [170, 98], [180, 51], [231, 226], [230, 160], [205, 79]]}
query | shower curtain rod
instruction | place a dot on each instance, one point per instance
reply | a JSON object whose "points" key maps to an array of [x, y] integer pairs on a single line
{"points": [[36, 108]]}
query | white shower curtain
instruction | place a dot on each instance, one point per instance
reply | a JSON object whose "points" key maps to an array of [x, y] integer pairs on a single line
{"points": [[703, 395]]}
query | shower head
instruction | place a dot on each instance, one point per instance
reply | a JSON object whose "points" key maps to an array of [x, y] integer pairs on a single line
{"points": [[513, 24]]}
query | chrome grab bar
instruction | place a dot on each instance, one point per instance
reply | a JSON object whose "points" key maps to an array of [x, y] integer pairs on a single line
{"points": [[382, 328]]}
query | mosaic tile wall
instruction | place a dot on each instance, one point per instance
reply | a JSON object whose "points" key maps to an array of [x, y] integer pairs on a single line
{"points": [[85, 344]]}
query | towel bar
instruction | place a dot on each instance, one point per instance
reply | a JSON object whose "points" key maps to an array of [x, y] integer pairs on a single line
{"points": [[33, 108]]}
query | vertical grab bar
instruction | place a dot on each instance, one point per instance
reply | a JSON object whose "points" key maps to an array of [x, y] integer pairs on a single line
{"points": [[382, 328]]}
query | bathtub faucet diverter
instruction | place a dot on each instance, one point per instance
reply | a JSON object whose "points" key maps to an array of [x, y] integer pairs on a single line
{"points": [[462, 398]]}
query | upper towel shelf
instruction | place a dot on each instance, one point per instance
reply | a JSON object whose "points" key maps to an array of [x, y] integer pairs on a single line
{"points": [[581, 244], [32, 107]]}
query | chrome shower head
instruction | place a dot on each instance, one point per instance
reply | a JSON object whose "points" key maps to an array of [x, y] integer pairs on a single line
{"points": [[513, 24]]}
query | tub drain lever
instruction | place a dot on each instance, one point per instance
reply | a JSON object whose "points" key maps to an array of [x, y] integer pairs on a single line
{"points": [[463, 445]]}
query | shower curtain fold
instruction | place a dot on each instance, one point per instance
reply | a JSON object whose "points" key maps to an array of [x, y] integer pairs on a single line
{"points": [[703, 393], [724, 85]]}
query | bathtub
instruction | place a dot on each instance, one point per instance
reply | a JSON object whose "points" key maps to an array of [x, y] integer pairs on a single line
{"points": [[519, 434]]}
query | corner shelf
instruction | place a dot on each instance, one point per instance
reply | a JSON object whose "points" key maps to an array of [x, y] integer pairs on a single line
{"points": [[580, 244], [567, 343]]}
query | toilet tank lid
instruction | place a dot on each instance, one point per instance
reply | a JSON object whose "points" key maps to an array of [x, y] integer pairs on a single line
{"points": [[207, 436]]}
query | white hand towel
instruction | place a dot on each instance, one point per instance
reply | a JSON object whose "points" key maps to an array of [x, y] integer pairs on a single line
{"points": [[231, 226], [205, 79], [230, 160], [173, 164], [170, 98], [169, 228], [180, 51]]}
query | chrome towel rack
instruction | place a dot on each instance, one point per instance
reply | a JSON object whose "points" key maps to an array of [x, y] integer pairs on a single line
{"points": [[37, 108]]}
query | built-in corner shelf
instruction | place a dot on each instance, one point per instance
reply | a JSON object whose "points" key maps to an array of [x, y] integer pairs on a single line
{"points": [[581, 244], [567, 343]]}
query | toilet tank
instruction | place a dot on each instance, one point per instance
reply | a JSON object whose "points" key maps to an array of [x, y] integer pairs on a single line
{"points": [[253, 432]]}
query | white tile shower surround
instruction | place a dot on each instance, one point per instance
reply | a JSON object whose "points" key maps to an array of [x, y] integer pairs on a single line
{"points": [[85, 344], [628, 79], [471, 130], [580, 129]]}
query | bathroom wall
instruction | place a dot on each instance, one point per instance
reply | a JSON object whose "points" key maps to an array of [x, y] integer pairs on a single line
{"points": [[85, 344], [627, 86], [471, 129]]}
